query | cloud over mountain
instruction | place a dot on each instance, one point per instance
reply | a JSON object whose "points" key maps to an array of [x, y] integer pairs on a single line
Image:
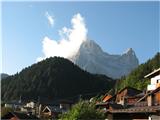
{"points": [[86, 53], [71, 39]]}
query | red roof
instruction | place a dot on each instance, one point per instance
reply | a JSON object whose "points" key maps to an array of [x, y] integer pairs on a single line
{"points": [[107, 97]]}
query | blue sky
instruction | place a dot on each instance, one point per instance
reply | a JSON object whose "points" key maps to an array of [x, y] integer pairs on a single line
{"points": [[115, 26]]}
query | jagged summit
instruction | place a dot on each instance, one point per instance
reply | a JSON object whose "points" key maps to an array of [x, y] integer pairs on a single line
{"points": [[129, 51], [93, 59], [90, 46]]}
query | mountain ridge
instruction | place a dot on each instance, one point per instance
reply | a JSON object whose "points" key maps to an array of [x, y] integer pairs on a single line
{"points": [[92, 58], [53, 78]]}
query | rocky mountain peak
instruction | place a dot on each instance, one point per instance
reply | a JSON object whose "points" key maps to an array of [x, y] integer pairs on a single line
{"points": [[129, 51], [92, 58], [90, 46]]}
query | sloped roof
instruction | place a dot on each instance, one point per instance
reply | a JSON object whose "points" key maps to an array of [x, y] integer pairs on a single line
{"points": [[106, 97], [128, 87], [130, 93], [53, 109], [140, 95], [157, 71]]}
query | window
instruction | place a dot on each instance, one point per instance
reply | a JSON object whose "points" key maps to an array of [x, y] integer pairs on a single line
{"points": [[122, 98]]}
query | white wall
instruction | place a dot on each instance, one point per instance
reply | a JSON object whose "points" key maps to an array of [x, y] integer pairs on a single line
{"points": [[154, 80]]}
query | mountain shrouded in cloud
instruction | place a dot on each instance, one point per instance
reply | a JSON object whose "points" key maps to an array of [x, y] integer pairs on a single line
{"points": [[87, 54], [71, 39]]}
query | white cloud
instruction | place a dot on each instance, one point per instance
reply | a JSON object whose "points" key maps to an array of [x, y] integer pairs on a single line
{"points": [[70, 40], [50, 19]]}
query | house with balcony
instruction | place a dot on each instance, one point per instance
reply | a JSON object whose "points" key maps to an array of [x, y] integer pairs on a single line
{"points": [[133, 104], [154, 80]]}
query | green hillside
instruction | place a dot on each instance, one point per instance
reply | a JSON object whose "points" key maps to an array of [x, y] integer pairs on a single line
{"points": [[53, 78], [136, 77]]}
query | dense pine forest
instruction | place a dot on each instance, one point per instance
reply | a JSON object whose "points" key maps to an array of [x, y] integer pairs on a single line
{"points": [[53, 78], [136, 77]]}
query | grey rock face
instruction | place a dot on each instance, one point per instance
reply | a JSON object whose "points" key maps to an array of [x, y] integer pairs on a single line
{"points": [[92, 58]]}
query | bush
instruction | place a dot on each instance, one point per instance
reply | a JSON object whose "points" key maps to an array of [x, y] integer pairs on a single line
{"points": [[83, 110]]}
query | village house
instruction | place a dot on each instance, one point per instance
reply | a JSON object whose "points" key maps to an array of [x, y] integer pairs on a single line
{"points": [[149, 109], [106, 97], [14, 105], [132, 104], [25, 107], [29, 107], [65, 105], [50, 109], [155, 80], [31, 104], [127, 96], [154, 100], [153, 97], [51, 112], [28, 110]]}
